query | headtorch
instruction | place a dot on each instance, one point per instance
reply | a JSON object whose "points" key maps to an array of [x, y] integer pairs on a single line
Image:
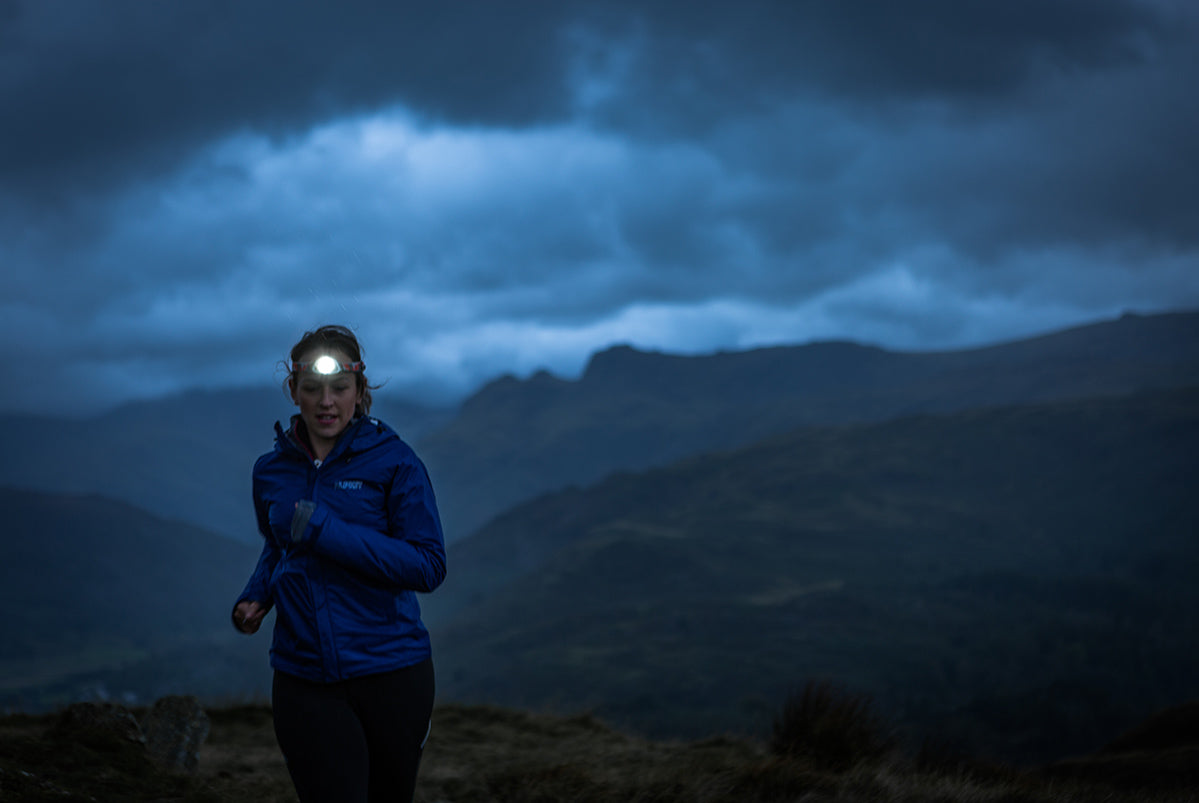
{"points": [[328, 366]]}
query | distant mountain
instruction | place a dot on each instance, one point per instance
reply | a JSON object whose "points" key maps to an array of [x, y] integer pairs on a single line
{"points": [[631, 410], [1021, 578], [186, 457], [189, 457], [93, 588]]}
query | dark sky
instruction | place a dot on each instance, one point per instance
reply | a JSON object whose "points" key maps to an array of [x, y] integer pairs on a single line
{"points": [[491, 187]]}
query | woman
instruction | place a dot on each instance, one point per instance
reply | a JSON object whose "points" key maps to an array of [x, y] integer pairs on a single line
{"points": [[352, 533]]}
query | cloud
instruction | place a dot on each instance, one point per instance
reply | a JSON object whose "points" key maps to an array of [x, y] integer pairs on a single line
{"points": [[486, 188], [108, 90]]}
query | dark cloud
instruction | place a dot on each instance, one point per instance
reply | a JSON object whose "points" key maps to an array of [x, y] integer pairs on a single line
{"points": [[695, 68], [98, 90], [489, 186]]}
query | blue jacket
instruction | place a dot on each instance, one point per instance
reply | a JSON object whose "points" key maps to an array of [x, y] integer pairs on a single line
{"points": [[345, 596]]}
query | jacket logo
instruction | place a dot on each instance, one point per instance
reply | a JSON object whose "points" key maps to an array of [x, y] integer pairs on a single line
{"points": [[349, 485]]}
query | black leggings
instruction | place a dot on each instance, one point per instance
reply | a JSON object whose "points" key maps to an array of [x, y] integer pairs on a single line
{"points": [[355, 741]]}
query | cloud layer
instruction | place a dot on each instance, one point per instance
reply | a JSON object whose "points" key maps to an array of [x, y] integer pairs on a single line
{"points": [[483, 188]]}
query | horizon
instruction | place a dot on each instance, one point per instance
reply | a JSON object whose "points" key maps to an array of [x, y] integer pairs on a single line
{"points": [[431, 397]]}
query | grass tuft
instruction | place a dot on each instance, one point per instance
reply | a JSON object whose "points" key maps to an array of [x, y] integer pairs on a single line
{"points": [[831, 728]]}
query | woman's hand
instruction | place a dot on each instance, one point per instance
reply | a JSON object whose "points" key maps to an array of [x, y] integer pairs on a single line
{"points": [[248, 615], [297, 524]]}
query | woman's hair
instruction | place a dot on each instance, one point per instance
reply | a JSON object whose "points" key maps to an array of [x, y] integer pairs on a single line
{"points": [[331, 338]]}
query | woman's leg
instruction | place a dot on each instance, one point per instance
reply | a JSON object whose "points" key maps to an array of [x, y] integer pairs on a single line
{"points": [[321, 739], [394, 708]]}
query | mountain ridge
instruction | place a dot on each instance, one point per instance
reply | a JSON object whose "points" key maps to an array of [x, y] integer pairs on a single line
{"points": [[631, 410], [189, 456]]}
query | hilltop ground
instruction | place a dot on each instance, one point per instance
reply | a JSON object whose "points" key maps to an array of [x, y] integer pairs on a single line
{"points": [[480, 753]]}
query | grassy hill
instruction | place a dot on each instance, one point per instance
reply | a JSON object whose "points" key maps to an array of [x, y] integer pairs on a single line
{"points": [[484, 753], [1016, 579], [94, 589]]}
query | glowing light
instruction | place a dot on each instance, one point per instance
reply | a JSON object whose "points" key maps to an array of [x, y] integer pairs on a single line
{"points": [[326, 365]]}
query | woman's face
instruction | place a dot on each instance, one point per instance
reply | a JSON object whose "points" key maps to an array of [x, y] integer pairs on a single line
{"points": [[326, 402]]}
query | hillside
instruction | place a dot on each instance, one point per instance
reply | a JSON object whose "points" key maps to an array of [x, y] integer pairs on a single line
{"points": [[185, 457], [97, 592], [1017, 579], [482, 753], [631, 410]]}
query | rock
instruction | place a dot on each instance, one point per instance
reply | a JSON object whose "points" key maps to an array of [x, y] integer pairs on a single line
{"points": [[175, 728], [104, 726]]}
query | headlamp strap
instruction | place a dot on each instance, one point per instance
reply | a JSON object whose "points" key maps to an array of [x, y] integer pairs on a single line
{"points": [[327, 366]]}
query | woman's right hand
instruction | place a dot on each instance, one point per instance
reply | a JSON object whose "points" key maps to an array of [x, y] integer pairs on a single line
{"points": [[248, 616]]}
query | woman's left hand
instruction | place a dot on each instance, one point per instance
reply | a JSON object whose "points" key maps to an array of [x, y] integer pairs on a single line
{"points": [[248, 616]]}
